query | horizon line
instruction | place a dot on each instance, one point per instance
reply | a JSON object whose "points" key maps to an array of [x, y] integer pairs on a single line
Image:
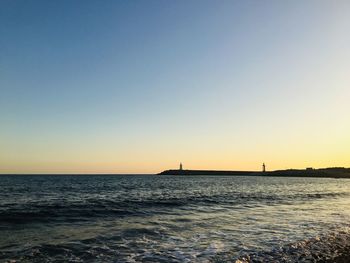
{"points": [[157, 173]]}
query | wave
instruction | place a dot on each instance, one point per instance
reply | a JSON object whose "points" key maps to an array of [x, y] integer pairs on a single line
{"points": [[332, 247], [73, 211], [328, 248]]}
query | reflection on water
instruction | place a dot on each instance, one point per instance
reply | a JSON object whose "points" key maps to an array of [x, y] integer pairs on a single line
{"points": [[170, 219]]}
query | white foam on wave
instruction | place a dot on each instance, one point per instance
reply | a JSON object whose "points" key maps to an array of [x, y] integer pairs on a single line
{"points": [[328, 247]]}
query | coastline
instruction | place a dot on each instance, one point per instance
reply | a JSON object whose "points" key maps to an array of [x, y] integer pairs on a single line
{"points": [[309, 173]]}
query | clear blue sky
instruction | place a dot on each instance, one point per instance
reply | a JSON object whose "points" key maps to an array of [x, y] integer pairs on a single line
{"points": [[138, 86]]}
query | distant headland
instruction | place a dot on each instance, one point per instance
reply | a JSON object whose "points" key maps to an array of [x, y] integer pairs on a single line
{"points": [[332, 172]]}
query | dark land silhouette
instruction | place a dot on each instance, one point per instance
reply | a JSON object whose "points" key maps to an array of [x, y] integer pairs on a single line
{"points": [[333, 172]]}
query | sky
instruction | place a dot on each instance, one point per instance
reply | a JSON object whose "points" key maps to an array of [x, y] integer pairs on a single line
{"points": [[140, 86]]}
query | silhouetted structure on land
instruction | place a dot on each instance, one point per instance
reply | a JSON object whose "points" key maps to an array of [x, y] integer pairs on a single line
{"points": [[334, 172]]}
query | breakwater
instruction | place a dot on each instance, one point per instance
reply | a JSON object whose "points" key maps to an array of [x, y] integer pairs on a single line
{"points": [[319, 173]]}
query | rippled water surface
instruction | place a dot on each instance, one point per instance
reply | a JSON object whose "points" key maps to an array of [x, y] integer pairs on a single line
{"points": [[171, 219]]}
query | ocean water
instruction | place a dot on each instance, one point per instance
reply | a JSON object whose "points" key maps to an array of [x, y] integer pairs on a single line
{"points": [[172, 219]]}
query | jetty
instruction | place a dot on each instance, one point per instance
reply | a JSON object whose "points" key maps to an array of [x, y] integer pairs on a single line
{"points": [[333, 172]]}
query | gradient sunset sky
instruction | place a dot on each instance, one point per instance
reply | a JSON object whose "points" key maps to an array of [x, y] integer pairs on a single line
{"points": [[139, 86]]}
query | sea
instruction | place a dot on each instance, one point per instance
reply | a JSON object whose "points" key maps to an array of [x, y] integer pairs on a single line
{"points": [[152, 218]]}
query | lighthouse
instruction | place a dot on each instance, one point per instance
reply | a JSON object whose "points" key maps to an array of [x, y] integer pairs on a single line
{"points": [[180, 167], [263, 168]]}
